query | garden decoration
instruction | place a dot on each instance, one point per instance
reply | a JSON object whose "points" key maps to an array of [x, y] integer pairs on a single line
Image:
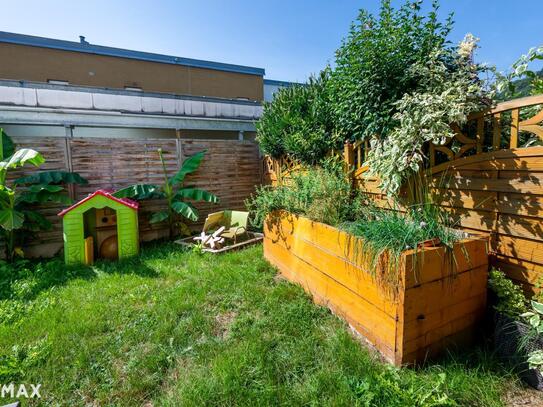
{"points": [[222, 232], [100, 225], [233, 223], [214, 240]]}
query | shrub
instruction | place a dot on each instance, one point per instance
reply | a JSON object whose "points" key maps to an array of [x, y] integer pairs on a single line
{"points": [[510, 298], [320, 193], [372, 66], [448, 91], [298, 122]]}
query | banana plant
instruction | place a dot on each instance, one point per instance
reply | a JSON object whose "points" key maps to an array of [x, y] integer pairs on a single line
{"points": [[18, 197], [175, 193]]}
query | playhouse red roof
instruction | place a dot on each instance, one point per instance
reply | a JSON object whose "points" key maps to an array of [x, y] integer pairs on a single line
{"points": [[106, 193]]}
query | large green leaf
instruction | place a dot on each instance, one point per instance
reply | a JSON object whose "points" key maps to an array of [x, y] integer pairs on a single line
{"points": [[190, 165], [139, 191], [44, 196], [159, 217], [537, 306], [36, 221], [45, 187], [11, 219], [53, 177], [196, 195], [21, 157], [185, 209], [7, 147], [5, 196]]}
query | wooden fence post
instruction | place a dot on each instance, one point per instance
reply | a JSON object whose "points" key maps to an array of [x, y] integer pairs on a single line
{"points": [[513, 143], [348, 155]]}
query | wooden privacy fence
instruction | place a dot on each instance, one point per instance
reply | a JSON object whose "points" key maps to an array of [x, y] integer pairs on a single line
{"points": [[231, 170], [489, 178]]}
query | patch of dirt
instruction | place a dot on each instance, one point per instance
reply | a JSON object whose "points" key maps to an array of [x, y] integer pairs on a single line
{"points": [[524, 397], [279, 278], [223, 322]]}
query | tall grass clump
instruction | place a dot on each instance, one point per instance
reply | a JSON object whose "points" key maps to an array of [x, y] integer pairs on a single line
{"points": [[381, 235], [321, 193]]}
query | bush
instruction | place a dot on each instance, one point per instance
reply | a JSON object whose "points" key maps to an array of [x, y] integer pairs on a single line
{"points": [[321, 193], [372, 66], [511, 301], [298, 122]]}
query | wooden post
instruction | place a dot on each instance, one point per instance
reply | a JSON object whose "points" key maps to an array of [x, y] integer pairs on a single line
{"points": [[480, 134], [513, 143], [348, 155], [179, 148], [68, 155], [496, 132], [432, 154]]}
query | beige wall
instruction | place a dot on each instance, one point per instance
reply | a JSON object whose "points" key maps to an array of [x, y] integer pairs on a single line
{"points": [[21, 62]]}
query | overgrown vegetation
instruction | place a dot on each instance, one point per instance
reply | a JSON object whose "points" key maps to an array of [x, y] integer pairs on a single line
{"points": [[174, 328], [387, 233], [510, 299], [175, 193], [397, 81], [19, 197], [322, 193], [373, 63], [299, 122]]}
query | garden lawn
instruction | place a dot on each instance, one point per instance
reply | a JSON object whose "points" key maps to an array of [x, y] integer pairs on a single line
{"points": [[177, 328]]}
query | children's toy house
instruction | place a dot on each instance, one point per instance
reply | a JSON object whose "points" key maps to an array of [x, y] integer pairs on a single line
{"points": [[100, 226]]}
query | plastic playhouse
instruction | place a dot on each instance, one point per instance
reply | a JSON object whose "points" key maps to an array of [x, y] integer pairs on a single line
{"points": [[100, 226]]}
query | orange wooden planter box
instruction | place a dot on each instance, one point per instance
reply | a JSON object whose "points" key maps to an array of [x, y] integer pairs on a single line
{"points": [[440, 298]]}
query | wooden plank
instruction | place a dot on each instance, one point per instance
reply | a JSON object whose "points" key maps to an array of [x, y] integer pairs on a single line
{"points": [[518, 248], [480, 136], [496, 131], [437, 295], [513, 143], [419, 327]]}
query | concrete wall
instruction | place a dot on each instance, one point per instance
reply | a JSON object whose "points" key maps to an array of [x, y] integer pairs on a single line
{"points": [[29, 63]]}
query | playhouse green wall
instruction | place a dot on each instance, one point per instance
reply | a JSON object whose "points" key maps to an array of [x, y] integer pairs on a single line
{"points": [[74, 229]]}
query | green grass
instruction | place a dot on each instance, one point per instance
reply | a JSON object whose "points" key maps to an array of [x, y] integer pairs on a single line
{"points": [[174, 328]]}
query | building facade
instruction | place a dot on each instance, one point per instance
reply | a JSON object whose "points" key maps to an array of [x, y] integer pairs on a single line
{"points": [[49, 85]]}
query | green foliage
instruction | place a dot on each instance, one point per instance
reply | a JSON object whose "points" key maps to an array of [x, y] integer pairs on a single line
{"points": [[172, 328], [321, 193], [535, 360], [511, 300], [17, 217], [521, 81], [372, 66], [384, 234], [175, 193], [447, 92], [20, 358], [298, 122], [534, 319]]}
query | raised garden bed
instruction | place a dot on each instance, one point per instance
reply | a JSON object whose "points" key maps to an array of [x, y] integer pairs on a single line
{"points": [[252, 238], [439, 299]]}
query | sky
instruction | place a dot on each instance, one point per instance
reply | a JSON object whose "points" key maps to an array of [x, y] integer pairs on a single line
{"points": [[289, 39]]}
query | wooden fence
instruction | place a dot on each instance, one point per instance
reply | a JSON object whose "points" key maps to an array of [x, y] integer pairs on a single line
{"points": [[490, 179], [231, 170]]}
